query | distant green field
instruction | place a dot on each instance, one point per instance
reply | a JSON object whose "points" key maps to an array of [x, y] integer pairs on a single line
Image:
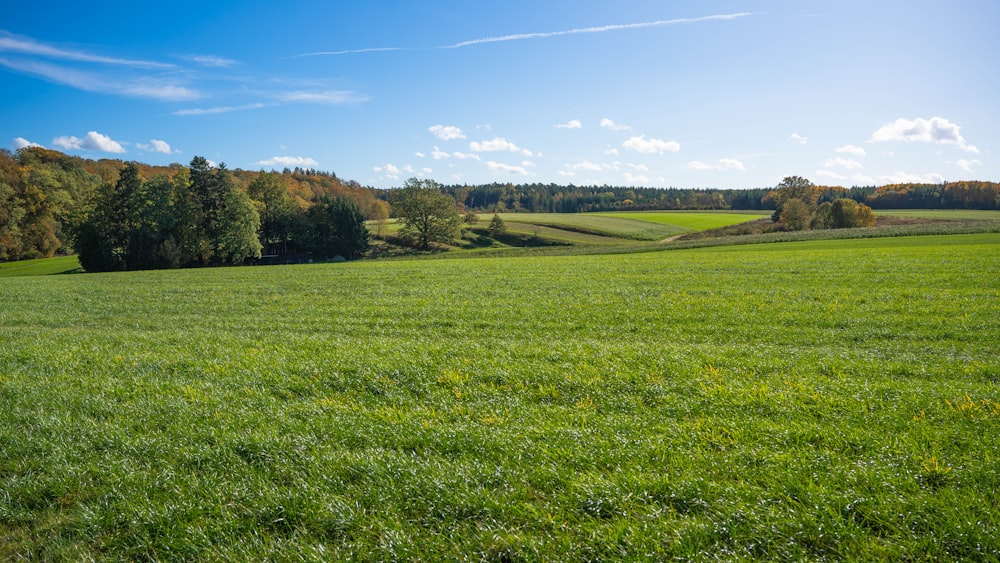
{"points": [[691, 220], [40, 267], [630, 225], [944, 214], [825, 400]]}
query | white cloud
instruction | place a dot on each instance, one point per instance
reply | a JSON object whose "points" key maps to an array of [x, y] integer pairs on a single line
{"points": [[650, 146], [465, 155], [608, 124], [391, 171], [934, 130], [968, 164], [288, 161], [907, 178], [419, 154], [527, 163], [722, 164], [838, 162], [496, 145], [851, 149], [92, 141], [446, 133], [636, 179], [155, 145], [566, 173], [640, 167], [439, 154], [571, 124], [612, 151], [506, 168], [830, 174], [799, 138], [21, 142], [586, 165], [863, 180]]}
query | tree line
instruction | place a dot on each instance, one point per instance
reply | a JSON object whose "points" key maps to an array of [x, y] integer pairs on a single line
{"points": [[554, 198], [133, 215], [127, 216]]}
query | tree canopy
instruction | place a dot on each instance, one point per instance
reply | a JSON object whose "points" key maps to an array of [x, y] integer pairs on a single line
{"points": [[428, 215]]}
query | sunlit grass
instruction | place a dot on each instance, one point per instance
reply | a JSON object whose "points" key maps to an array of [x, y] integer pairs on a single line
{"points": [[40, 267], [690, 220], [808, 400]]}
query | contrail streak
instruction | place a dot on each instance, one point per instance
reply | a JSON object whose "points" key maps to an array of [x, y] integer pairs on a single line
{"points": [[542, 35]]}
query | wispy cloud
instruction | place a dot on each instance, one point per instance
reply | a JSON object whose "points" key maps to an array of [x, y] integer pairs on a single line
{"points": [[799, 138], [220, 109], [539, 35], [351, 52], [571, 124], [331, 97], [142, 87], [288, 161], [212, 61], [27, 46], [597, 29]]}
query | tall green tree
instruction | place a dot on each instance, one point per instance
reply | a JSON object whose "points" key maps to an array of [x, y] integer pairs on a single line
{"points": [[794, 188], [238, 224], [337, 228], [278, 211], [428, 215]]}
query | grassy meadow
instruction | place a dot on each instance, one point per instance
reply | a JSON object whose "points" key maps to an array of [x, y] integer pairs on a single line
{"points": [[832, 399]]}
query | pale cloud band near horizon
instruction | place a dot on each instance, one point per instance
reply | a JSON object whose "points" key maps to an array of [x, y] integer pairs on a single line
{"points": [[539, 35]]}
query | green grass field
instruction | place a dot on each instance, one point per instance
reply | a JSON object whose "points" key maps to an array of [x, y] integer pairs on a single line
{"points": [[40, 267], [808, 400], [944, 214], [691, 220]]}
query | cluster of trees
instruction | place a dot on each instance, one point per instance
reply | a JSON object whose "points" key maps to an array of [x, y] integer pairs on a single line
{"points": [[43, 194], [200, 217], [797, 208]]}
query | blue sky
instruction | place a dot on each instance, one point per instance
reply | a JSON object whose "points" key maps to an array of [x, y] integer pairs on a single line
{"points": [[726, 94]]}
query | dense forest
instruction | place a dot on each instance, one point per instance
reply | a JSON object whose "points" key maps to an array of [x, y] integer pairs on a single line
{"points": [[50, 202]]}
